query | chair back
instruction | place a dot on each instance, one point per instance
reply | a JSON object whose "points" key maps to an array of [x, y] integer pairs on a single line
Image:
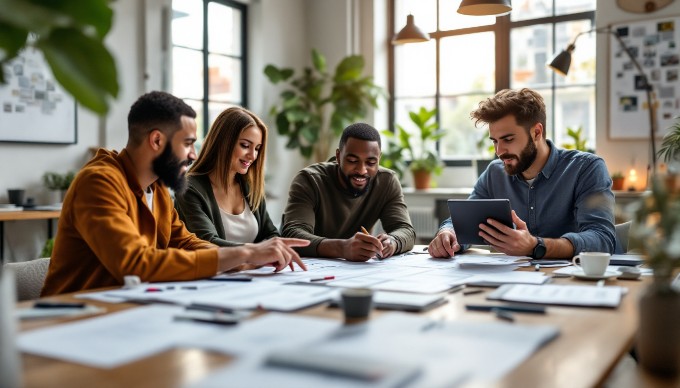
{"points": [[30, 277], [622, 237]]}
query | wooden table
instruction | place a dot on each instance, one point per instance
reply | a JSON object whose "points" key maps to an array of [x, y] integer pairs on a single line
{"points": [[23, 215], [591, 342]]}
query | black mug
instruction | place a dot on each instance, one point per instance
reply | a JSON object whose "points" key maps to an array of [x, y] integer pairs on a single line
{"points": [[16, 196]]}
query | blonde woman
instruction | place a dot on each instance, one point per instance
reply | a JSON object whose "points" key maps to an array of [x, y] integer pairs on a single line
{"points": [[224, 202]]}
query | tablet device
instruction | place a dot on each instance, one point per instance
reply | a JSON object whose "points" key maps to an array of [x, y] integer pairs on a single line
{"points": [[467, 214]]}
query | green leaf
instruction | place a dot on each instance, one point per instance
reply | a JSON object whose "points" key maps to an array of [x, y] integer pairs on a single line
{"points": [[12, 39], [349, 68], [95, 13], [310, 133], [282, 124], [286, 73], [273, 73], [319, 61], [70, 55], [306, 151]]}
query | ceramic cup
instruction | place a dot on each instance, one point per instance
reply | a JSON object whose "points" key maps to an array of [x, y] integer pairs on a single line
{"points": [[592, 263], [357, 303]]}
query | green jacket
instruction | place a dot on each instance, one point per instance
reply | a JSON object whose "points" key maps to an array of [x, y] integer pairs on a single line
{"points": [[198, 209]]}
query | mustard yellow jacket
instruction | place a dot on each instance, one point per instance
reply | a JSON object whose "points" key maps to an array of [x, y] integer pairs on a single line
{"points": [[106, 231]]}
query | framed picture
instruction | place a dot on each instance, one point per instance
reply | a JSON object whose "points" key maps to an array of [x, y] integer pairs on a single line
{"points": [[34, 108], [655, 44]]}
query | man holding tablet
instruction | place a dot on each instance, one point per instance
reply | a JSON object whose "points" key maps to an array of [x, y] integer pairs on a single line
{"points": [[561, 199]]}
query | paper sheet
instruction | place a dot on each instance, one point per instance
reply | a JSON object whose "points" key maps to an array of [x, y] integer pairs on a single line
{"points": [[114, 339]]}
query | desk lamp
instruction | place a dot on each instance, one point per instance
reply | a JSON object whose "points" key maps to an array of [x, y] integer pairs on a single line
{"points": [[562, 61]]}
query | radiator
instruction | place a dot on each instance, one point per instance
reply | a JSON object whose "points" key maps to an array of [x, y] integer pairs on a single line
{"points": [[424, 222]]}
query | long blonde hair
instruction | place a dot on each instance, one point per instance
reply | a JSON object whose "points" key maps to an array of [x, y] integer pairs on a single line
{"points": [[218, 147]]}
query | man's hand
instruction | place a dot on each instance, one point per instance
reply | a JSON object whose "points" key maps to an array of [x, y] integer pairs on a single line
{"points": [[514, 242], [277, 252], [444, 245], [389, 245], [361, 247]]}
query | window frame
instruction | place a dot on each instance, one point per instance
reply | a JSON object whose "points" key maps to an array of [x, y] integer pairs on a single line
{"points": [[205, 54], [502, 34]]}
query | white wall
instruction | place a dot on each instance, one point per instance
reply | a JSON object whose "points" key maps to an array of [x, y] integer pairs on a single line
{"points": [[619, 153]]}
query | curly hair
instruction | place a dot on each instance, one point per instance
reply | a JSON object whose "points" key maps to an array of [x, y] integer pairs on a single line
{"points": [[525, 104], [156, 110], [361, 131]]}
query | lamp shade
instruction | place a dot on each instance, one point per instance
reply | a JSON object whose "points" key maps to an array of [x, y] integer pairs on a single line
{"points": [[562, 61], [485, 7], [410, 33]]}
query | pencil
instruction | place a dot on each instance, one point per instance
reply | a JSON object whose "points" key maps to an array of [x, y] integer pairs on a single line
{"points": [[364, 231]]}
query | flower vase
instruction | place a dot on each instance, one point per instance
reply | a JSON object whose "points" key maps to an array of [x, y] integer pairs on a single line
{"points": [[658, 337]]}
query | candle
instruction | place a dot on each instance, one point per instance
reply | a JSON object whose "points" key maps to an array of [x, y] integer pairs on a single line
{"points": [[632, 179]]}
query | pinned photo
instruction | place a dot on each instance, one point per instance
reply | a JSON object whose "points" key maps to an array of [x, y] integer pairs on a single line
{"points": [[665, 26], [672, 75], [628, 103], [669, 59]]}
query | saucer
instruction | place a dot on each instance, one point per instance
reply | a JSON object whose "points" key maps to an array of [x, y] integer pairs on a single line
{"points": [[608, 274]]}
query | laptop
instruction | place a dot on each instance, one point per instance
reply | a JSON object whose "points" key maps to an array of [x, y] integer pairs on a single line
{"points": [[467, 214]]}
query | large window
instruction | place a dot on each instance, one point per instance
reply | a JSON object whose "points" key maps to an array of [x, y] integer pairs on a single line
{"points": [[209, 56], [469, 58]]}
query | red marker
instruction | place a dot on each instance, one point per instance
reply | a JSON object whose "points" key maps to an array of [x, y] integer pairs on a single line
{"points": [[323, 278], [150, 289]]}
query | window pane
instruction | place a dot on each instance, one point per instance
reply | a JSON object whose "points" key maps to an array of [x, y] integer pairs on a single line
{"points": [[573, 6], [224, 79], [187, 23], [462, 138], [198, 107], [468, 73], [582, 68], [531, 9], [224, 29], [414, 66], [547, 95], [214, 109], [574, 108], [401, 113], [187, 73], [530, 49], [424, 14], [450, 19]]}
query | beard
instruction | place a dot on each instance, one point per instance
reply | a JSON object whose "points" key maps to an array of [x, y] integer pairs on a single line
{"points": [[350, 187], [525, 159], [168, 168]]}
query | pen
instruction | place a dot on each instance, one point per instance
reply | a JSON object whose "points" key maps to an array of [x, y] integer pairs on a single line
{"points": [[216, 320], [507, 307], [364, 231], [233, 279], [58, 305], [472, 292], [323, 278], [153, 289], [189, 288], [504, 315]]}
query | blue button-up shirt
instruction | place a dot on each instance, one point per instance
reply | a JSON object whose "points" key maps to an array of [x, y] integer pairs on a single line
{"points": [[570, 198]]}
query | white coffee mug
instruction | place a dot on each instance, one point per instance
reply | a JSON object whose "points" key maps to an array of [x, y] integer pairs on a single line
{"points": [[592, 263]]}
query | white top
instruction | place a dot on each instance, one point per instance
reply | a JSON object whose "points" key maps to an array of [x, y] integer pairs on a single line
{"points": [[149, 198], [240, 227]]}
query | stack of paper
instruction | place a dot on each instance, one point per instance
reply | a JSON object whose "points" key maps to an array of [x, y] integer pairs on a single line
{"points": [[569, 295]]}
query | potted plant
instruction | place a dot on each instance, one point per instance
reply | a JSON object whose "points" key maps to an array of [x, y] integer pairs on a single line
{"points": [[579, 142], [670, 147], [316, 106], [421, 151], [58, 184], [655, 232], [617, 180]]}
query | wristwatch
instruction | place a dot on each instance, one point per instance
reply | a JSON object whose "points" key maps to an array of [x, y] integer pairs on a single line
{"points": [[539, 249]]}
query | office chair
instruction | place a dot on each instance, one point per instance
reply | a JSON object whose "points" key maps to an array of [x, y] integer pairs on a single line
{"points": [[30, 277]]}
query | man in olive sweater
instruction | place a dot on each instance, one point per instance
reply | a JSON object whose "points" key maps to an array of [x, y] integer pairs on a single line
{"points": [[330, 204]]}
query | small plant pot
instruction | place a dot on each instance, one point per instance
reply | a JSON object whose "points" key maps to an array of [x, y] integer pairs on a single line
{"points": [[617, 183], [658, 337], [421, 179]]}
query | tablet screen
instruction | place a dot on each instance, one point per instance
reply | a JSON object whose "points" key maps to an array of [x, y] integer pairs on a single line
{"points": [[467, 214]]}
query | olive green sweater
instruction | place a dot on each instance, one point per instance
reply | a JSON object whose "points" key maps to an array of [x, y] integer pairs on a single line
{"points": [[319, 208]]}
